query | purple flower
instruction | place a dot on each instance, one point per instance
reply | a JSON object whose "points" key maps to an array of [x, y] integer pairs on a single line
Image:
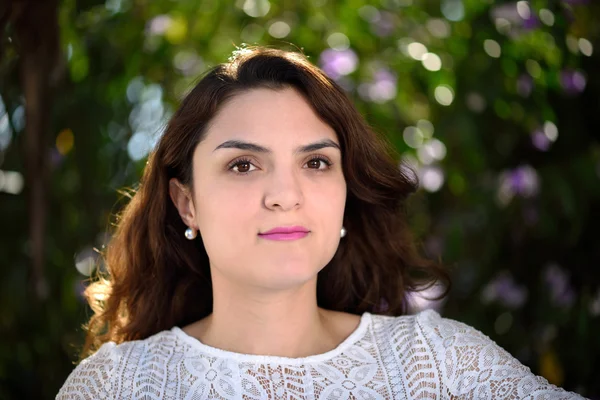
{"points": [[531, 23], [523, 181], [524, 85], [56, 159], [384, 75], [561, 292], [384, 25], [337, 63], [504, 290], [381, 89], [540, 140], [525, 18], [572, 81], [158, 25]]}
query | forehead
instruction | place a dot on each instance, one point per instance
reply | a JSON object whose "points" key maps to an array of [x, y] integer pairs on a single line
{"points": [[270, 116]]}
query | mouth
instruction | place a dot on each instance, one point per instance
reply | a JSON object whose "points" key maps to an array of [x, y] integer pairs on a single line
{"points": [[285, 233]]}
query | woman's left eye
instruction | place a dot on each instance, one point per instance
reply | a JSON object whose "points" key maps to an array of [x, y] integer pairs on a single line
{"points": [[318, 163]]}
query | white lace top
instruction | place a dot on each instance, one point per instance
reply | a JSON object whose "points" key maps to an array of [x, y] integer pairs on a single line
{"points": [[422, 356]]}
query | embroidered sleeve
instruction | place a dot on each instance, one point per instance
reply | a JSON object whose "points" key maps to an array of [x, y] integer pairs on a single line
{"points": [[93, 377], [471, 365]]}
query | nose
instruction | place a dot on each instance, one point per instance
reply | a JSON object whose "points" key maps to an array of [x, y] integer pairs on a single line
{"points": [[283, 191]]}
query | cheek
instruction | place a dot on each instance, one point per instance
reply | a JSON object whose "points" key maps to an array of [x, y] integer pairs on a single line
{"points": [[325, 204], [223, 215], [329, 198]]}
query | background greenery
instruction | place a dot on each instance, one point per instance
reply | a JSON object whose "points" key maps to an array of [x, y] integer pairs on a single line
{"points": [[494, 104]]}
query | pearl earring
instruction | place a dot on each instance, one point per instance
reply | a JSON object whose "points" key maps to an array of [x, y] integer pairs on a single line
{"points": [[343, 232], [190, 233]]}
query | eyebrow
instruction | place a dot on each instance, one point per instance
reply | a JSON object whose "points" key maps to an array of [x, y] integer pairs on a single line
{"points": [[243, 145]]}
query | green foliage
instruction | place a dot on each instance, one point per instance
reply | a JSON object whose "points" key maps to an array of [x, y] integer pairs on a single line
{"points": [[496, 111]]}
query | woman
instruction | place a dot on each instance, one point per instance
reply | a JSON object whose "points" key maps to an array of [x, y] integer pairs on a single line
{"points": [[266, 255]]}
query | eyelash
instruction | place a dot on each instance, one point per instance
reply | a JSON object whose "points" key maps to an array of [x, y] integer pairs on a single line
{"points": [[245, 160]]}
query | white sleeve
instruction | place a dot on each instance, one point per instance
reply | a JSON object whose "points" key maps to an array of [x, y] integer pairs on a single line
{"points": [[471, 365], [93, 377]]}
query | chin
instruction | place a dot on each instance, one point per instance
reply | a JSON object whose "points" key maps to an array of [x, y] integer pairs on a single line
{"points": [[283, 282], [296, 269]]}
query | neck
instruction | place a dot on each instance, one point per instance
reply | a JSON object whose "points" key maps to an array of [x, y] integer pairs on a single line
{"points": [[284, 324]]}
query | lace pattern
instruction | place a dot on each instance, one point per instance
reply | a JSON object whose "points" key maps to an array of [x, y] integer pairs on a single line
{"points": [[409, 357], [474, 367]]}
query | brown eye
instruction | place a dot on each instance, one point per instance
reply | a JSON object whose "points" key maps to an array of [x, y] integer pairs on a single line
{"points": [[318, 163], [243, 167], [314, 164]]}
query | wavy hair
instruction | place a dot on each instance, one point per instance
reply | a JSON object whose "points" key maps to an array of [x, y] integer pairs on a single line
{"points": [[158, 279]]}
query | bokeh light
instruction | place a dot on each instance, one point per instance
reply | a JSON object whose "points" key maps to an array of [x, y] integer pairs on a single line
{"points": [[585, 46], [11, 182], [492, 48], [337, 63], [444, 95], [256, 8], [431, 62], [413, 137], [489, 105], [279, 29]]}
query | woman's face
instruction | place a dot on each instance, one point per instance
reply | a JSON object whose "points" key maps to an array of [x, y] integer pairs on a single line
{"points": [[268, 161]]}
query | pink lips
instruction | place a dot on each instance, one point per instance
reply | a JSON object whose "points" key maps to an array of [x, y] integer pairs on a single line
{"points": [[285, 233]]}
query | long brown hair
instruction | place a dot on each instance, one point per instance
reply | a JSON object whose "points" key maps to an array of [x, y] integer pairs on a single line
{"points": [[159, 279]]}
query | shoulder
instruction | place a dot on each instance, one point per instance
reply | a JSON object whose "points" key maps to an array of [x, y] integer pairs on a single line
{"points": [[92, 378], [105, 373], [447, 332], [427, 330], [406, 329], [465, 362]]}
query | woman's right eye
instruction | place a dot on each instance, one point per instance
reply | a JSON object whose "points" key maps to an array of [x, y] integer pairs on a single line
{"points": [[242, 167]]}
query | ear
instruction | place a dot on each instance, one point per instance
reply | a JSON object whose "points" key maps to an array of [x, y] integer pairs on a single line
{"points": [[183, 201]]}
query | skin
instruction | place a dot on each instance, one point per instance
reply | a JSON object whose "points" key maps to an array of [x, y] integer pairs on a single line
{"points": [[265, 291]]}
